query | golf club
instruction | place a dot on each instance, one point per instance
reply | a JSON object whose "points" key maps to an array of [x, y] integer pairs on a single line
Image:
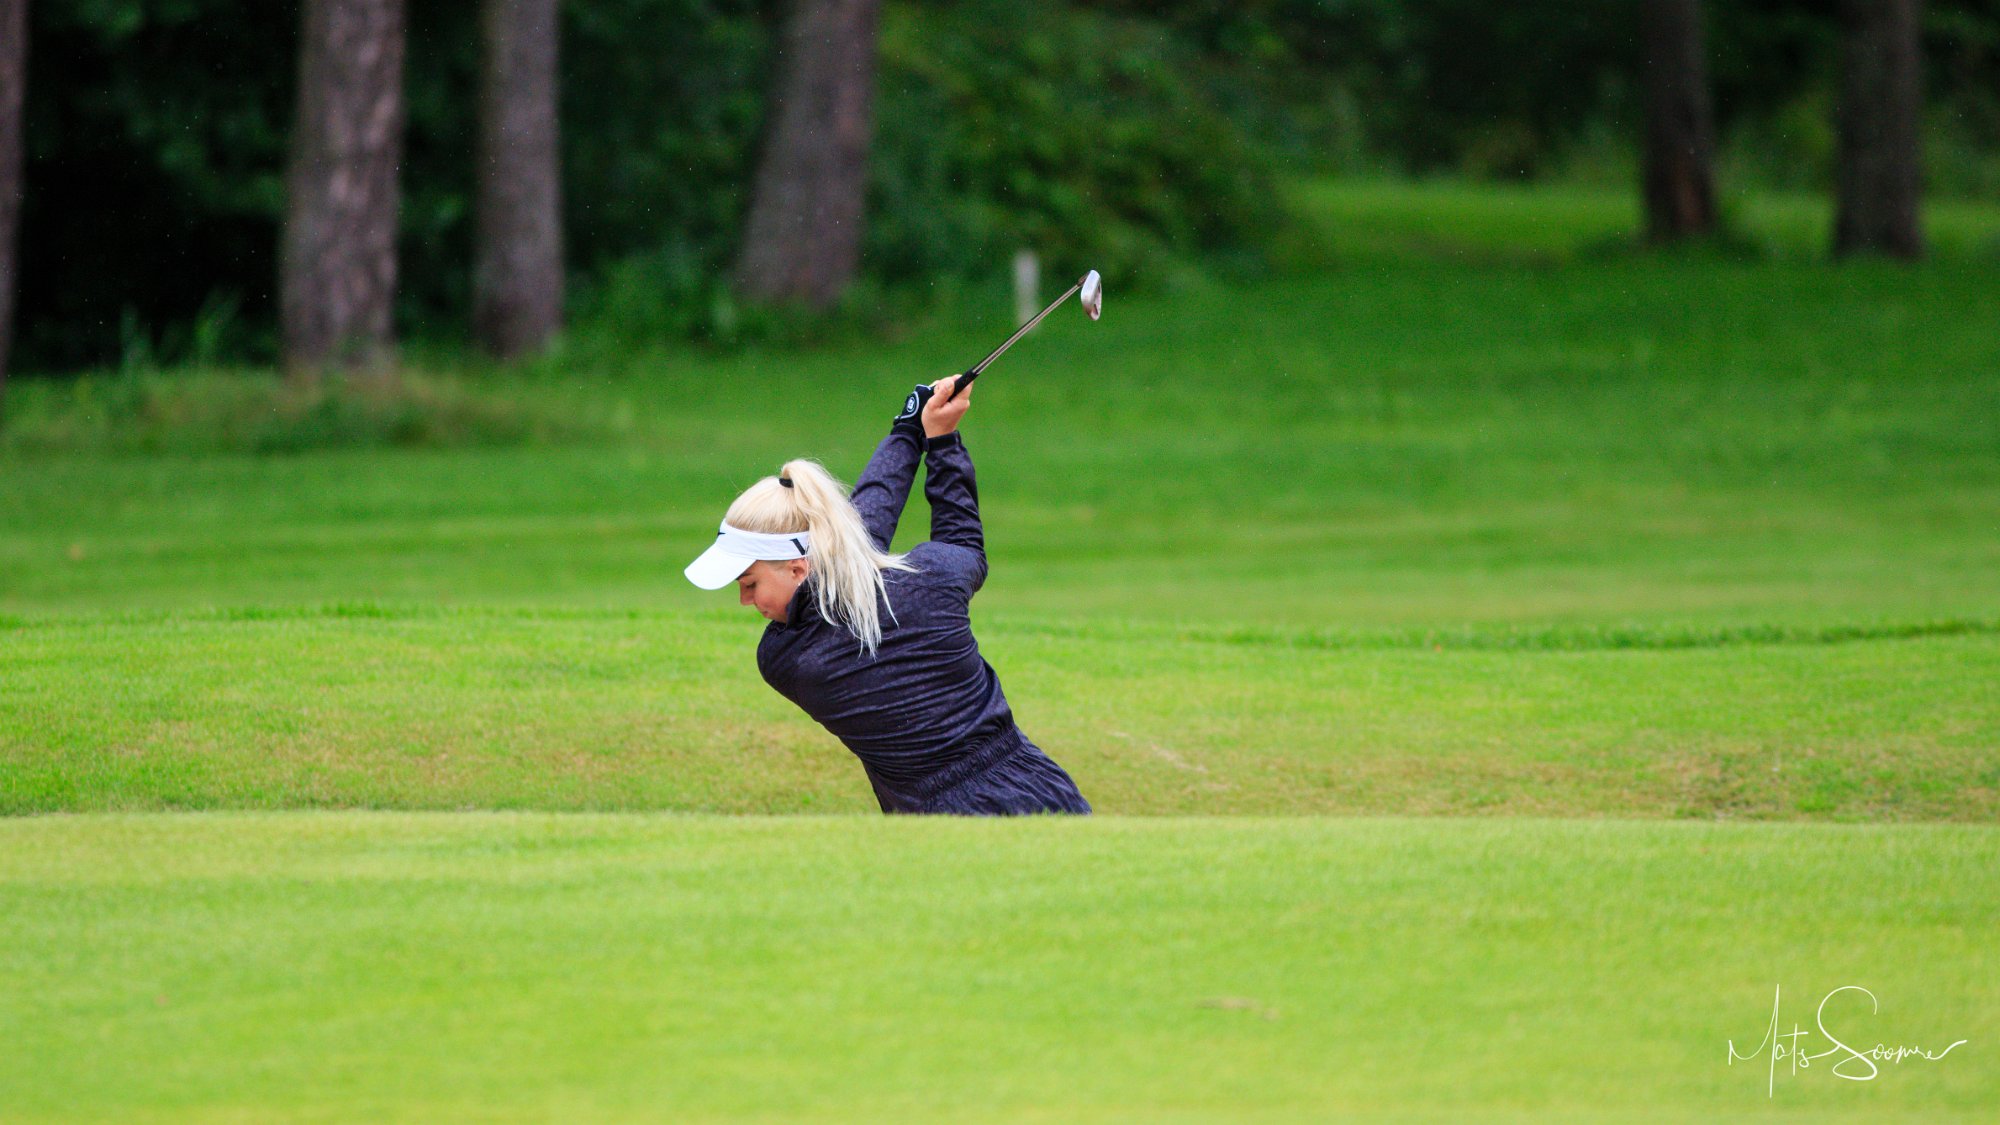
{"points": [[1092, 288]]}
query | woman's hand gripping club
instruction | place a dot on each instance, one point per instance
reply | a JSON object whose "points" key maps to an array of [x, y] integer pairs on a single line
{"points": [[932, 410]]}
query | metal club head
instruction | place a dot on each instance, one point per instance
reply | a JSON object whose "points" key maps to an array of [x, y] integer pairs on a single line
{"points": [[1093, 294]]}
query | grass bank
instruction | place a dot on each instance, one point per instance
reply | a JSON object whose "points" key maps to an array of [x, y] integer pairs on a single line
{"points": [[383, 707]]}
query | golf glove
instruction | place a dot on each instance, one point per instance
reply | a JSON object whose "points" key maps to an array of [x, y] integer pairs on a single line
{"points": [[912, 417]]}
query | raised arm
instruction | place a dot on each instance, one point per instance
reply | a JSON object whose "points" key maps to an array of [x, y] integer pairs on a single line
{"points": [[953, 493], [884, 486]]}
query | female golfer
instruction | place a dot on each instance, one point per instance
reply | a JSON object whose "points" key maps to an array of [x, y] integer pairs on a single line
{"points": [[878, 647]]}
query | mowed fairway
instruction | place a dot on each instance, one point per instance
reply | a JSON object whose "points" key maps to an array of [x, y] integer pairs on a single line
{"points": [[1523, 656], [531, 967]]}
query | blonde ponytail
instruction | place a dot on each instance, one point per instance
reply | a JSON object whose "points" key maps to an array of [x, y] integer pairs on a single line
{"points": [[846, 566]]}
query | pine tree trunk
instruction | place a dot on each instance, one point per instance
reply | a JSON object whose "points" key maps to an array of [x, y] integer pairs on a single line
{"points": [[1680, 123], [338, 271], [1880, 177], [518, 275], [13, 92], [802, 240]]}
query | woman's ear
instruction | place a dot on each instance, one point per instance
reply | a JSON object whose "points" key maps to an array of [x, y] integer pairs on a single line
{"points": [[800, 568]]}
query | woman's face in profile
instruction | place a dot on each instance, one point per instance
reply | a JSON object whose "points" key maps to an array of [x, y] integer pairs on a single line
{"points": [[770, 585]]}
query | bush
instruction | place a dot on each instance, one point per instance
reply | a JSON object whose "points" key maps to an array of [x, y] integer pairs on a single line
{"points": [[1077, 134], [999, 126]]}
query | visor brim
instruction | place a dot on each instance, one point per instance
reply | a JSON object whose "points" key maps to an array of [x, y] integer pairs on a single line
{"points": [[717, 567]]}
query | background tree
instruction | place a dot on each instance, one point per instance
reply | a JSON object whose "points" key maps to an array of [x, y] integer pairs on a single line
{"points": [[338, 273], [157, 142], [802, 240], [1680, 122], [13, 88], [1880, 174], [518, 272]]}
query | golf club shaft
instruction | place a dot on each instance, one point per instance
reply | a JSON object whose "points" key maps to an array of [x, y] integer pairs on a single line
{"points": [[966, 379]]}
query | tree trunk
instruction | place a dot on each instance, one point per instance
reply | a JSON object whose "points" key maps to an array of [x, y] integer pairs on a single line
{"points": [[13, 92], [1880, 174], [338, 271], [802, 240], [518, 275], [1680, 123]]}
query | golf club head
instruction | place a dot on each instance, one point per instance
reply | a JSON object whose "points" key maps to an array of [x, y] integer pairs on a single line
{"points": [[1093, 294]]}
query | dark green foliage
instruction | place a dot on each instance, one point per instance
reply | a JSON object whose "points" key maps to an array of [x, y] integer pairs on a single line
{"points": [[1511, 90], [158, 143], [1962, 69], [1437, 86], [1007, 124], [661, 100], [1114, 133], [661, 103], [998, 126], [154, 170]]}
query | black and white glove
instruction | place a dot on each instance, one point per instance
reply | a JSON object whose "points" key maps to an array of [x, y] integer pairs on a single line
{"points": [[912, 417]]}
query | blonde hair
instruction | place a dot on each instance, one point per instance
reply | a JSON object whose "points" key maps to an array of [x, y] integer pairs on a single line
{"points": [[847, 567]]}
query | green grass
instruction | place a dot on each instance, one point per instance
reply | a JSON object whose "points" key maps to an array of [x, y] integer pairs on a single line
{"points": [[527, 967], [1723, 462], [1399, 443], [380, 707], [1530, 567]]}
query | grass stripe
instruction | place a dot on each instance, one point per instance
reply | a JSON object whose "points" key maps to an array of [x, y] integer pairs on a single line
{"points": [[1497, 637], [1538, 638]]}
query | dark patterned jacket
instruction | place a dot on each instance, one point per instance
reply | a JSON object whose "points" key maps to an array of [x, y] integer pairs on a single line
{"points": [[926, 713]]}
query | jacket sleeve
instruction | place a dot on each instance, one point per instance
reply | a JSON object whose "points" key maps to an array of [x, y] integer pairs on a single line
{"points": [[953, 495], [884, 486]]}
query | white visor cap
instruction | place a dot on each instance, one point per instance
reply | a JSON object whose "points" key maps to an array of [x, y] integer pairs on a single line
{"points": [[735, 549]]}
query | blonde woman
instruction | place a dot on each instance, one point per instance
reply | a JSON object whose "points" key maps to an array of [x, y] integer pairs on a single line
{"points": [[876, 646]]}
